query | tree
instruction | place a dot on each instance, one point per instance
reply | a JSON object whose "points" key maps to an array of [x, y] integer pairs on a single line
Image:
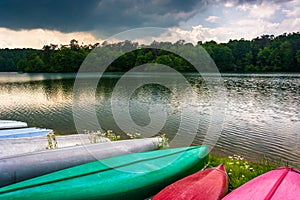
{"points": [[221, 54], [287, 57], [74, 44], [262, 54], [7, 64], [298, 59], [21, 65], [33, 63], [144, 57], [263, 57], [240, 49], [275, 59]]}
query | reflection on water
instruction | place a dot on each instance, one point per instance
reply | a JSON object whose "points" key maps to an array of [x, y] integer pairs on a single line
{"points": [[45, 103], [263, 117], [262, 112]]}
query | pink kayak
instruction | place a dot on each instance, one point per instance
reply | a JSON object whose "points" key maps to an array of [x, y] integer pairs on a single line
{"points": [[279, 184], [209, 184]]}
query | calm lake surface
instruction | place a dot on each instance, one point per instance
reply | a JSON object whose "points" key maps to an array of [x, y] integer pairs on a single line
{"points": [[261, 112]]}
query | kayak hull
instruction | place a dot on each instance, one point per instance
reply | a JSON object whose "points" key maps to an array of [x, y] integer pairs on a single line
{"points": [[9, 124], [25, 166], [278, 184], [14, 146], [133, 176], [23, 132], [209, 184]]}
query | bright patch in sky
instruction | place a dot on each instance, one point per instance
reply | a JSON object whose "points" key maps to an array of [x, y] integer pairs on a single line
{"points": [[37, 38], [212, 19], [246, 21]]}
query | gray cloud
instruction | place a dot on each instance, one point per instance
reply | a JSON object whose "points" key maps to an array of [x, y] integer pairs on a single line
{"points": [[77, 15], [261, 1], [108, 16], [67, 15]]}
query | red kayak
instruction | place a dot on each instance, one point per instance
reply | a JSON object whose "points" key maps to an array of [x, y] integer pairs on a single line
{"points": [[209, 184], [279, 184]]}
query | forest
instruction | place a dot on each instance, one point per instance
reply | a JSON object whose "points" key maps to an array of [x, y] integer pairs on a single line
{"points": [[267, 53]]}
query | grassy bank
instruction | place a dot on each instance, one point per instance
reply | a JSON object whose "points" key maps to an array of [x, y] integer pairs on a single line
{"points": [[241, 171]]}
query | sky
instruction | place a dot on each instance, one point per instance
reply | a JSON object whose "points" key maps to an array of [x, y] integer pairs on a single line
{"points": [[34, 23]]}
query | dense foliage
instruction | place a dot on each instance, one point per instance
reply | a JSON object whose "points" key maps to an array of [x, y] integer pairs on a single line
{"points": [[263, 54]]}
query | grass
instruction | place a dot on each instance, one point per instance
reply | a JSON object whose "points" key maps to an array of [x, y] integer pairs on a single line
{"points": [[240, 171]]}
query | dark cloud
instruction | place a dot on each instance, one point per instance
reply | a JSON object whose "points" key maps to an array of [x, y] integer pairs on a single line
{"points": [[107, 16], [66, 15], [78, 15]]}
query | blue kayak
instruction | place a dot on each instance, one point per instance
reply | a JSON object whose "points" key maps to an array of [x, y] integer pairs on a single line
{"points": [[23, 132]]}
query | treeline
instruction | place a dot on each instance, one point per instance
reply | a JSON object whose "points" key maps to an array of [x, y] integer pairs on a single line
{"points": [[262, 54]]}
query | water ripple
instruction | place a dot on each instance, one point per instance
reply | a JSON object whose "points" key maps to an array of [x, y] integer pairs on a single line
{"points": [[262, 113]]}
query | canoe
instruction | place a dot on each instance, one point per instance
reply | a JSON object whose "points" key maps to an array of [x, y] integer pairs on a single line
{"points": [[23, 132], [209, 184], [25, 166], [14, 146], [278, 184], [7, 124], [131, 176]]}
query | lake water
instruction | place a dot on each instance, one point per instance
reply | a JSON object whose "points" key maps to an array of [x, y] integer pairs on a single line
{"points": [[259, 114]]}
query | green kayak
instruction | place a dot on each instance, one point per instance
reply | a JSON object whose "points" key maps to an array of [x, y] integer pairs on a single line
{"points": [[132, 176]]}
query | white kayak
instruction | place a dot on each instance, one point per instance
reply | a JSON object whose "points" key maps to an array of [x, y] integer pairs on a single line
{"points": [[23, 132], [8, 124], [25, 166], [13, 146]]}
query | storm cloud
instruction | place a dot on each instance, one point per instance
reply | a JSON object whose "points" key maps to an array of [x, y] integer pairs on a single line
{"points": [[77, 15], [106, 16]]}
